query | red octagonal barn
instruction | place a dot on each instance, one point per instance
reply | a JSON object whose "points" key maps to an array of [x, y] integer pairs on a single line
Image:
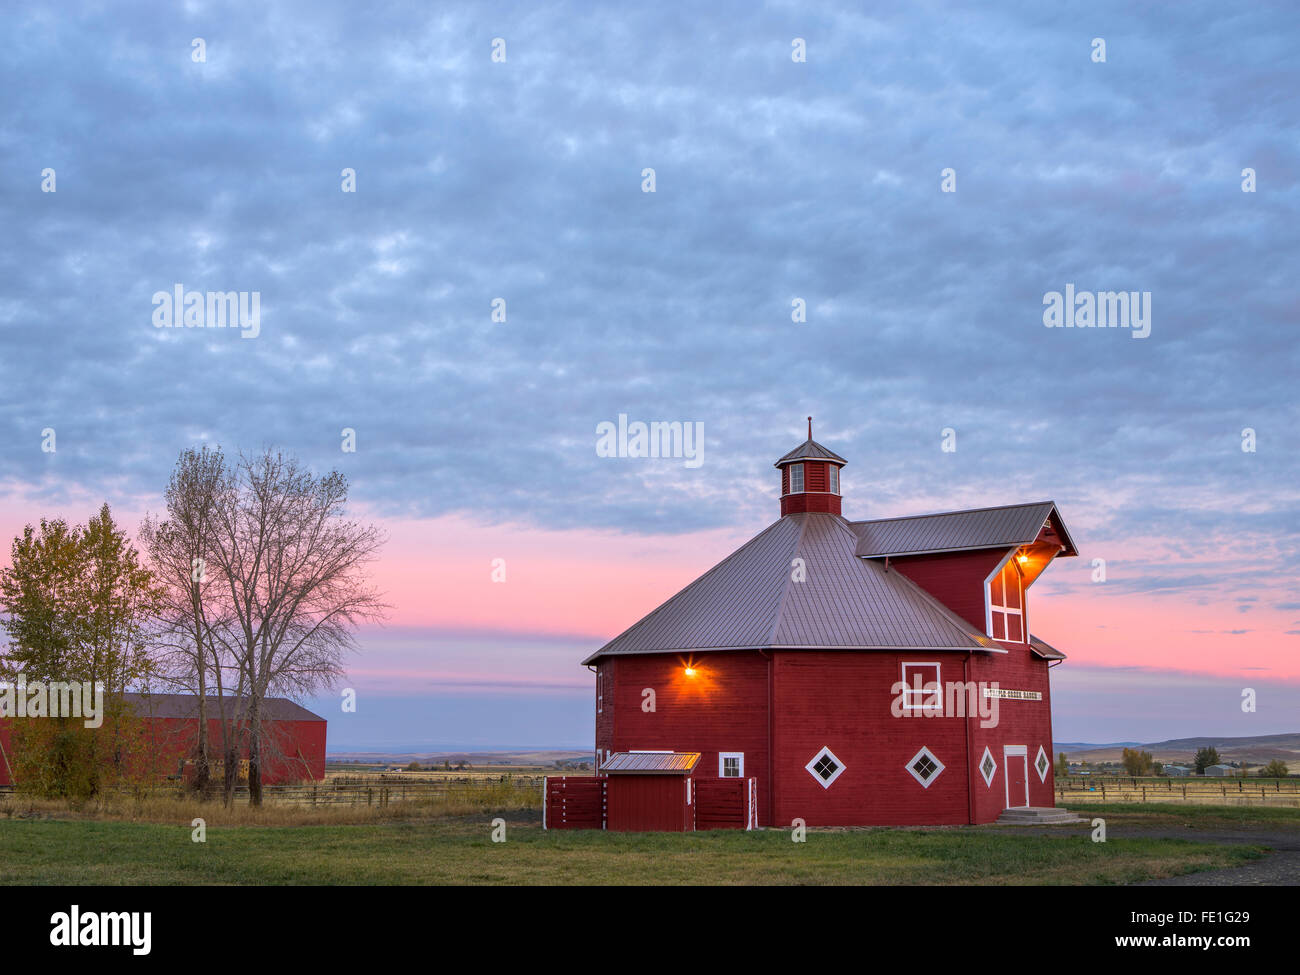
{"points": [[851, 672]]}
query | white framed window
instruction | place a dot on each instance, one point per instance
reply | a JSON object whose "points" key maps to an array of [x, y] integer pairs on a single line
{"points": [[600, 688], [988, 767], [1042, 764], [834, 478], [731, 765], [921, 687], [796, 478], [925, 767], [1007, 604], [825, 767]]}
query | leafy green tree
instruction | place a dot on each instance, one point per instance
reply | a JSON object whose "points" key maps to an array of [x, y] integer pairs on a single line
{"points": [[1136, 762], [1205, 757], [1062, 765], [37, 597], [76, 603], [1275, 769]]}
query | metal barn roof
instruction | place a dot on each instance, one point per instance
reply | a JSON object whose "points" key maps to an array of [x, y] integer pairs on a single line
{"points": [[951, 531], [749, 601], [644, 763], [1044, 650], [810, 449], [187, 706]]}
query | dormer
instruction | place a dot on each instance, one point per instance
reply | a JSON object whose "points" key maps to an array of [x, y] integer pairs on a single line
{"points": [[979, 563]]}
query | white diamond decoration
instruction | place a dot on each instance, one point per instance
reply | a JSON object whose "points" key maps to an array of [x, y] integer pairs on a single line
{"points": [[925, 768], [825, 767], [1043, 764], [988, 767]]}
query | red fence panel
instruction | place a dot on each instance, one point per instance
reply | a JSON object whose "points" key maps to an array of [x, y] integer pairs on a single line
{"points": [[573, 802], [722, 803]]}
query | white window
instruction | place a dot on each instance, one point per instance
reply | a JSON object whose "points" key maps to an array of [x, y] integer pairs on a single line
{"points": [[921, 687], [835, 478], [1007, 605], [1042, 764], [600, 688], [988, 767], [825, 767], [925, 768], [796, 478], [731, 765]]}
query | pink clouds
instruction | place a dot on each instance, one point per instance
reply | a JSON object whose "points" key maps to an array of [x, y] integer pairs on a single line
{"points": [[439, 573], [452, 628]]}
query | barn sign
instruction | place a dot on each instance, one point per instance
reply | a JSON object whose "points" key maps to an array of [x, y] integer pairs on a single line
{"points": [[1007, 694]]}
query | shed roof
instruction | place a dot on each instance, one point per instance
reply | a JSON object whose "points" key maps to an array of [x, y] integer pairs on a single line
{"points": [[748, 601], [952, 531], [648, 763], [187, 706]]}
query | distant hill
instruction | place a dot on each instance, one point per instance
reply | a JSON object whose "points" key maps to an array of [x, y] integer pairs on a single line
{"points": [[1258, 750], [1080, 746], [540, 757]]}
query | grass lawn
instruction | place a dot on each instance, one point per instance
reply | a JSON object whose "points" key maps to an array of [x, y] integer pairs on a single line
{"points": [[459, 851], [1197, 816]]}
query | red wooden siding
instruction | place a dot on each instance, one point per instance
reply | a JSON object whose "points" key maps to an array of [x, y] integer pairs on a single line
{"points": [[1027, 723], [956, 579], [722, 709], [721, 803], [574, 802], [815, 495], [636, 803], [299, 753], [841, 700]]}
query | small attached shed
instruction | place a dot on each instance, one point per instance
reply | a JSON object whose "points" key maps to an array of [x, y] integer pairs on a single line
{"points": [[650, 791]]}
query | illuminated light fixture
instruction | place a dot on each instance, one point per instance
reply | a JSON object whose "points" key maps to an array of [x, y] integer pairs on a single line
{"points": [[1022, 558], [690, 671]]}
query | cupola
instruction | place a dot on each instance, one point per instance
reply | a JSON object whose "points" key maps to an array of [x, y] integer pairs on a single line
{"points": [[810, 478]]}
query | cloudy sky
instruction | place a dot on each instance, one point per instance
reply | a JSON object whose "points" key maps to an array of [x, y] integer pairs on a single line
{"points": [[500, 151]]}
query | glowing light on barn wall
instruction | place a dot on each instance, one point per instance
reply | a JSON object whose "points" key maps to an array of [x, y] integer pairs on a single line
{"points": [[693, 680]]}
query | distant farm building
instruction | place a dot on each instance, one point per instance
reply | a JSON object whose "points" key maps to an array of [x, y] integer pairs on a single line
{"points": [[170, 737], [833, 671], [1178, 770], [1220, 770]]}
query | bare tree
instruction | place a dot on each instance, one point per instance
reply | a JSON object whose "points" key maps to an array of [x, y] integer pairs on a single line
{"points": [[180, 548], [294, 569]]}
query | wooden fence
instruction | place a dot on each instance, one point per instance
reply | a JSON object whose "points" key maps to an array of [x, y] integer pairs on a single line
{"points": [[332, 792], [1224, 790]]}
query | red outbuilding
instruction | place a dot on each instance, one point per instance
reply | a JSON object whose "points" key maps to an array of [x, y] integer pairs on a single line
{"points": [[169, 738], [858, 672]]}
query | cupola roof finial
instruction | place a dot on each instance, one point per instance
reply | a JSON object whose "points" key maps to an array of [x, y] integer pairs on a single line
{"points": [[809, 428]]}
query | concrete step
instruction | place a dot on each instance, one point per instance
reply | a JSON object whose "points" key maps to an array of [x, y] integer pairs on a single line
{"points": [[1038, 815]]}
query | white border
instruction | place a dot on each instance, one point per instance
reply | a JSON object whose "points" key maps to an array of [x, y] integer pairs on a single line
{"points": [[939, 767], [726, 755], [1042, 753], [1009, 752], [988, 779], [909, 689], [1022, 612], [825, 783]]}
